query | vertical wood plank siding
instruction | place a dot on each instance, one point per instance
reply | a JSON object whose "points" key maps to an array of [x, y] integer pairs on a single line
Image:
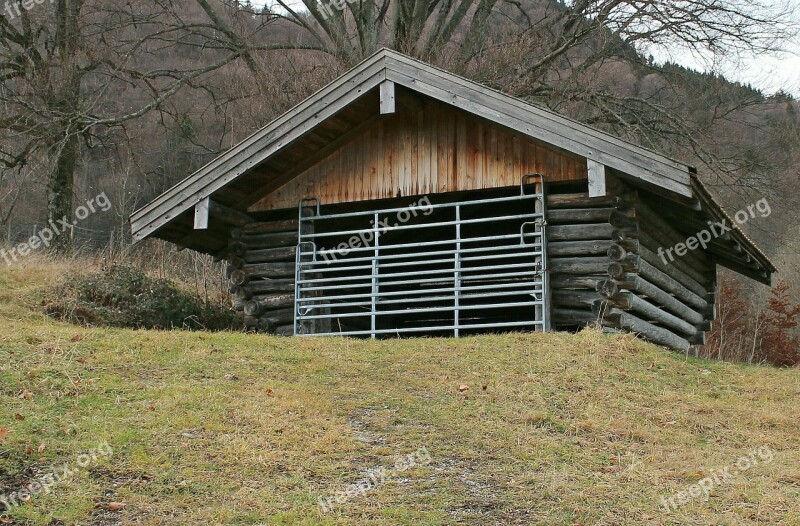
{"points": [[432, 151]]}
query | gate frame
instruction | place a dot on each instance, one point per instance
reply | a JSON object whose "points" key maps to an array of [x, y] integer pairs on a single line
{"points": [[307, 236]]}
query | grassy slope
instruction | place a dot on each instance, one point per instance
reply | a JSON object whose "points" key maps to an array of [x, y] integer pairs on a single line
{"points": [[235, 429]]}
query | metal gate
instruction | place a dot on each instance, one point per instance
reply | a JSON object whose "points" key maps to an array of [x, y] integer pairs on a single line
{"points": [[439, 269]]}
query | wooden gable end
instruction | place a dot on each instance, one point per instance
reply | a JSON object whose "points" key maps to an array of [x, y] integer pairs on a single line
{"points": [[436, 149]]}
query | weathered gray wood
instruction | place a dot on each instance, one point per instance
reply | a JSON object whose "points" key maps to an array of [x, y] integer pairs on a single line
{"points": [[625, 200], [574, 298], [268, 227], [705, 326], [270, 255], [573, 317], [619, 254], [585, 265], [236, 262], [267, 285], [725, 246], [698, 339], [664, 281], [697, 278], [239, 278], [656, 226], [578, 248], [578, 215], [630, 301], [623, 320], [561, 281], [286, 330], [641, 286], [237, 249], [620, 221], [387, 97], [597, 178], [696, 259], [579, 232], [263, 304], [269, 270], [280, 316], [259, 324], [228, 215], [265, 241], [581, 200], [243, 293], [621, 265], [761, 276], [633, 239], [540, 124], [201, 211], [661, 237], [690, 282], [258, 147], [618, 235]]}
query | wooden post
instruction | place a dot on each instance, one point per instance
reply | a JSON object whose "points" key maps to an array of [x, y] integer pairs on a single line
{"points": [[597, 178], [387, 90], [201, 211]]}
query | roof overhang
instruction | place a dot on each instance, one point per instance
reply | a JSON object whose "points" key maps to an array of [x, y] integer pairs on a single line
{"points": [[271, 156]]}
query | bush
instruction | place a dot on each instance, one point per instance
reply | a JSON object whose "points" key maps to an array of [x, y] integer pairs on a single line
{"points": [[755, 333], [124, 296]]}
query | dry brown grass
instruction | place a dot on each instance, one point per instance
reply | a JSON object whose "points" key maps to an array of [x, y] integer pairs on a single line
{"points": [[237, 429]]}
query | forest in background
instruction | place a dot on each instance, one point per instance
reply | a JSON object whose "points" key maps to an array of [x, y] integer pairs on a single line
{"points": [[129, 97]]}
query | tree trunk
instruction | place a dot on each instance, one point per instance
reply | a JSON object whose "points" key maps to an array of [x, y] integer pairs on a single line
{"points": [[59, 192]]}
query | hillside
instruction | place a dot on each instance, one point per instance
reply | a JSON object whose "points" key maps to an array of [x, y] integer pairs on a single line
{"points": [[234, 429]]}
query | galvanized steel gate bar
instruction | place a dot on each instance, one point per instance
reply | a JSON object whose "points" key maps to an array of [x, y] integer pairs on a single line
{"points": [[453, 280]]}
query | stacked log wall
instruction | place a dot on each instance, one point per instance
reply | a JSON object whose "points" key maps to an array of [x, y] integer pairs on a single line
{"points": [[261, 269], [603, 262], [578, 240], [669, 302]]}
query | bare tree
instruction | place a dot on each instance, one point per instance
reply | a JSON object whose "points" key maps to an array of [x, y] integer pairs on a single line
{"points": [[12, 183], [64, 70], [560, 53], [74, 70]]}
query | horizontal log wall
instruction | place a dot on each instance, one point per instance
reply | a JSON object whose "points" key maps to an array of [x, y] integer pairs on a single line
{"points": [[578, 241], [261, 268], [669, 301], [603, 261]]}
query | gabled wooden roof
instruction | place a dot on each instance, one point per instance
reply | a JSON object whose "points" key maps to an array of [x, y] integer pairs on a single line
{"points": [[245, 173], [422, 78]]}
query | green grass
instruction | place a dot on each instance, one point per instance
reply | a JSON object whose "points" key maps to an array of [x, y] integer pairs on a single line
{"points": [[236, 429]]}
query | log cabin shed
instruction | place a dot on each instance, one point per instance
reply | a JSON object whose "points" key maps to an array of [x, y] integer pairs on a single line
{"points": [[404, 200]]}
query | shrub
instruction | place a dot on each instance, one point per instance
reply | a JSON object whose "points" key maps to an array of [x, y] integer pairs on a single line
{"points": [[124, 296], [760, 333]]}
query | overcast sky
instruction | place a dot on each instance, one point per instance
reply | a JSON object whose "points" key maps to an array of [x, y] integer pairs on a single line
{"points": [[767, 73]]}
